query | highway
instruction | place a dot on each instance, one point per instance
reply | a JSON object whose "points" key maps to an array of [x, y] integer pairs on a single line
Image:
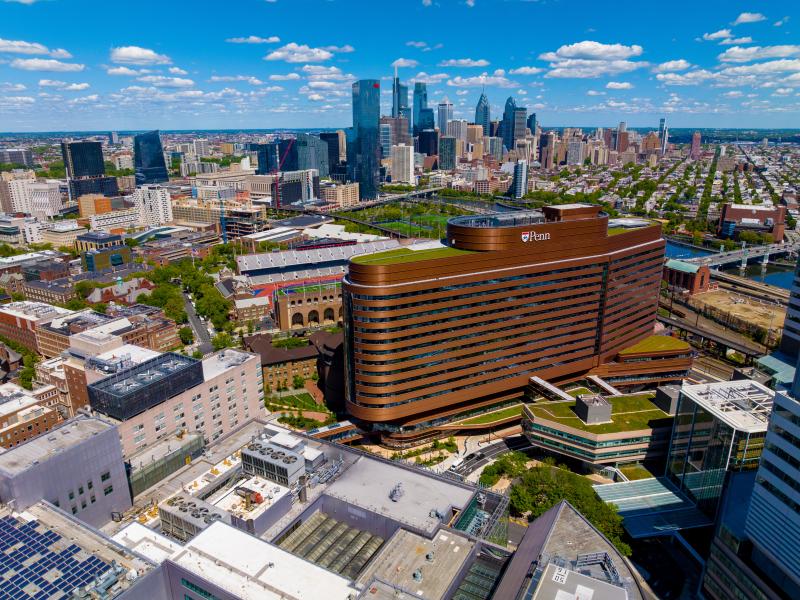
{"points": [[200, 330]]}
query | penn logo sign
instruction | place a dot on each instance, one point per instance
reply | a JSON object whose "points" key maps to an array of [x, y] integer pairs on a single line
{"points": [[534, 236]]}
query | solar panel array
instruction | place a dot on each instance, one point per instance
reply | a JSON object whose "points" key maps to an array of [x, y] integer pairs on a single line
{"points": [[34, 565]]}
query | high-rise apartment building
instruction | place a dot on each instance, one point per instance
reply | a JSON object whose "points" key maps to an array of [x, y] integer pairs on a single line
{"points": [[149, 160], [483, 114], [153, 205], [420, 102], [363, 152], [403, 164], [16, 156], [520, 185], [457, 128], [448, 152], [386, 137], [542, 292], [266, 157], [696, 150], [201, 147], [445, 114]]}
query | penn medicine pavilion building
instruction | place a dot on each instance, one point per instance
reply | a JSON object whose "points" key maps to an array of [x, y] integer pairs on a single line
{"points": [[436, 332]]}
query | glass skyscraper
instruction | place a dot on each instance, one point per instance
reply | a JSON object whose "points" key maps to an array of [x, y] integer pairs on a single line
{"points": [[482, 114], [420, 102], [426, 120], [149, 158], [400, 100], [305, 152], [83, 159], [507, 126], [267, 156], [363, 148]]}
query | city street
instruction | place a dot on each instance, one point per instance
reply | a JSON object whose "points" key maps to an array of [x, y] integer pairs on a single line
{"points": [[200, 331]]}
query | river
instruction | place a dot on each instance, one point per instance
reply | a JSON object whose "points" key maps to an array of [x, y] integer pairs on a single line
{"points": [[774, 275]]}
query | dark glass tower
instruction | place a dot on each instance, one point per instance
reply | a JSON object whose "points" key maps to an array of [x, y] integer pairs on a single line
{"points": [[400, 100], [507, 129], [267, 156], [331, 138], [482, 114], [420, 102], [305, 152], [532, 123], [149, 158], [83, 159], [426, 119], [363, 147]]}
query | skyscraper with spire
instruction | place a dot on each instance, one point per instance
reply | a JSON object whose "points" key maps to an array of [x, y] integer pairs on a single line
{"points": [[420, 102], [400, 99], [363, 144], [482, 113]]}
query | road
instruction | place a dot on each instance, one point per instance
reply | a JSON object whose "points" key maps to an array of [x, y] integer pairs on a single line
{"points": [[474, 461], [200, 331]]}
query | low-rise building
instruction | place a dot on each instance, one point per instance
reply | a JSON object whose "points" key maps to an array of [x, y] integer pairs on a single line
{"points": [[309, 305], [59, 291], [25, 415], [20, 320], [62, 233], [280, 366]]}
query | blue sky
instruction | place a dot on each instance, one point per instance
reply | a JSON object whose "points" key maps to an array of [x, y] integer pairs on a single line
{"points": [[91, 65]]}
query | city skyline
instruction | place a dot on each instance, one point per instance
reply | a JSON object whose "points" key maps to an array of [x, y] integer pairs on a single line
{"points": [[730, 68]]}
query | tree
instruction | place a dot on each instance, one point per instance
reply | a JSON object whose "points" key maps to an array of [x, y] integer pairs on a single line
{"points": [[186, 335], [85, 288], [100, 307], [131, 242], [297, 382], [222, 340]]}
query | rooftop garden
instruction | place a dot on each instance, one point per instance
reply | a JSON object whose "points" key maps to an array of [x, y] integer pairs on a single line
{"points": [[404, 255], [494, 416], [628, 413], [656, 343]]}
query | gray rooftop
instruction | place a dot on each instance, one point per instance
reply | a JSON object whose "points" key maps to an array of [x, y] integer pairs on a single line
{"points": [[71, 433], [742, 404], [300, 259]]}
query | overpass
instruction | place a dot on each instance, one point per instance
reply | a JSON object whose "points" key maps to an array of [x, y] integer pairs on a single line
{"points": [[743, 256], [749, 352]]}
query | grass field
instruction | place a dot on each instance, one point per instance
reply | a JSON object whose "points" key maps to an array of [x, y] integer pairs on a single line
{"points": [[302, 400], [578, 391], [628, 413], [404, 255], [634, 472], [411, 229], [498, 415], [656, 343]]}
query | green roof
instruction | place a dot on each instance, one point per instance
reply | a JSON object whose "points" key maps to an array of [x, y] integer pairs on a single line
{"points": [[628, 413], [679, 265], [656, 343], [404, 255]]}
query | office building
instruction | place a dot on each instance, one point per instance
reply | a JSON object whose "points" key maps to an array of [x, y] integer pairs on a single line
{"points": [[400, 107], [19, 320], [507, 126], [696, 150], [25, 415], [445, 114], [428, 142], [83, 159], [337, 146], [532, 124], [77, 466], [790, 342], [385, 138], [520, 184], [420, 102], [662, 128], [399, 131], [426, 119], [719, 430], [447, 153], [171, 392], [520, 124], [266, 156], [457, 128], [107, 186], [153, 205], [483, 114], [16, 156], [593, 295], [149, 160], [363, 153], [403, 164], [303, 153], [494, 147], [343, 195], [93, 204]]}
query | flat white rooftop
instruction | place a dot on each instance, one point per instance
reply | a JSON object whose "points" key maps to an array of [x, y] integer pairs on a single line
{"points": [[745, 405], [231, 502], [253, 569], [145, 541]]}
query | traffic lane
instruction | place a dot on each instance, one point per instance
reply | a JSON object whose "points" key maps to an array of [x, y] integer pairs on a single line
{"points": [[199, 329], [478, 459]]}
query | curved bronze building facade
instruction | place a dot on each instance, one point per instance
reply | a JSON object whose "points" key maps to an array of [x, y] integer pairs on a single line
{"points": [[435, 333]]}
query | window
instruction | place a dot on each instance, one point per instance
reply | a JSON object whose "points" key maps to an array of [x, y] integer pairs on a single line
{"points": [[108, 490], [105, 476], [71, 495], [80, 490], [74, 510], [90, 484], [92, 499]]}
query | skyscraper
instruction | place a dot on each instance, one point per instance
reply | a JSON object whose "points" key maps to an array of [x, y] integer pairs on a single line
{"points": [[457, 128], [790, 341], [363, 153], [83, 159], [426, 119], [520, 186], [520, 121], [662, 124], [149, 158], [482, 114], [621, 128], [267, 156], [445, 114], [447, 153], [403, 164], [513, 126], [532, 123], [429, 142], [696, 150], [420, 102], [337, 146], [400, 100]]}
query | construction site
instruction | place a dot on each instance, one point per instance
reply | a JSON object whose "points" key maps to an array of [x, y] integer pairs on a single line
{"points": [[742, 313]]}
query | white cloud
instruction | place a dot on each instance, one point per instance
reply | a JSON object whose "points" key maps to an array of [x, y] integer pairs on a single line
{"points": [[424, 77], [526, 71], [464, 62], [296, 53], [126, 71], [7, 86], [717, 35], [16, 101], [166, 82], [587, 69], [248, 78], [595, 93], [497, 79], [748, 17], [22, 47], [784, 91], [763, 68], [738, 54], [85, 99], [63, 85], [691, 78], [739, 40], [593, 51], [136, 55], [679, 64], [316, 97], [733, 94], [405, 63], [317, 72], [254, 39], [60, 53], [287, 77], [417, 44], [341, 49], [781, 22], [619, 85], [45, 64], [177, 71]]}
